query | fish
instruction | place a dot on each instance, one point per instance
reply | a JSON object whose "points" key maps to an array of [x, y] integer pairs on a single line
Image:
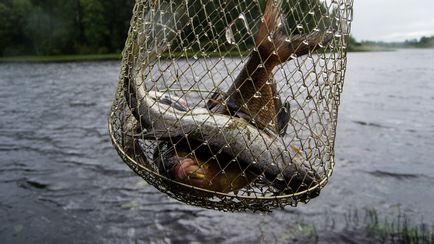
{"points": [[197, 165], [245, 136], [197, 169], [253, 148], [253, 94]]}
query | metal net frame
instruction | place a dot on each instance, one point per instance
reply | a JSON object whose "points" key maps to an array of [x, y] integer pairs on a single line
{"points": [[232, 104]]}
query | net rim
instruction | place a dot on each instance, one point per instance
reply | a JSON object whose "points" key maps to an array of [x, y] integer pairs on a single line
{"points": [[119, 149]]}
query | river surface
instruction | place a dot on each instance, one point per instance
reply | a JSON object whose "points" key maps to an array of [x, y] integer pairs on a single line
{"points": [[62, 182]]}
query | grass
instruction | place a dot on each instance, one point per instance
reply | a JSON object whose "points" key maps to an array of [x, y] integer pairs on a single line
{"points": [[300, 232], [398, 230], [60, 58], [102, 57], [361, 226], [190, 54]]}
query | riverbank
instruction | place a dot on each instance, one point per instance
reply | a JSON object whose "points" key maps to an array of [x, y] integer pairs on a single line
{"points": [[366, 48], [370, 49], [108, 57], [60, 58], [117, 56]]}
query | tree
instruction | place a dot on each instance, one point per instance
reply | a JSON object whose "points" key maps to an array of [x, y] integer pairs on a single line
{"points": [[13, 41], [47, 27]]}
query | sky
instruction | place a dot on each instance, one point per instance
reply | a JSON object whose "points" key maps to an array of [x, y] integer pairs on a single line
{"points": [[392, 20]]}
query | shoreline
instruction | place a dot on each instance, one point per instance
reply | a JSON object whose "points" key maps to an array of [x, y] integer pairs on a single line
{"points": [[118, 56], [358, 49], [60, 58], [112, 56]]}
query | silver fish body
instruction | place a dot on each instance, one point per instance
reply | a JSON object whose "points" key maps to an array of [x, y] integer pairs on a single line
{"points": [[262, 151]]}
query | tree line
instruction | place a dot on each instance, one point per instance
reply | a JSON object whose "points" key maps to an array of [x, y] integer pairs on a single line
{"points": [[423, 42], [53, 27]]}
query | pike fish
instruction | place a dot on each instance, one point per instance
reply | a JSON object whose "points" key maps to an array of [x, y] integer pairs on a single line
{"points": [[253, 94]]}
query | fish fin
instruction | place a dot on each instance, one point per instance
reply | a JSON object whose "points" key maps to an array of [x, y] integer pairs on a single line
{"points": [[270, 22], [283, 119], [211, 103], [215, 99], [281, 110], [271, 39], [240, 112]]}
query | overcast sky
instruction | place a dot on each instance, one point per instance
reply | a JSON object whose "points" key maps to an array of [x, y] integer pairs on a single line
{"points": [[392, 20]]}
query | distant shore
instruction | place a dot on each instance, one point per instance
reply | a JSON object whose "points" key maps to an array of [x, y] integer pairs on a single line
{"points": [[364, 48], [60, 58], [117, 56], [113, 56]]}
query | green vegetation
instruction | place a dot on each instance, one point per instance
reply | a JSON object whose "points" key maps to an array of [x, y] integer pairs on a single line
{"points": [[399, 230], [52, 30], [114, 56], [388, 230], [300, 233], [424, 42], [355, 46], [52, 27], [61, 58], [364, 226]]}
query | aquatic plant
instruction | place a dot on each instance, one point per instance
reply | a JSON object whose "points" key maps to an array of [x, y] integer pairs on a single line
{"points": [[398, 230]]}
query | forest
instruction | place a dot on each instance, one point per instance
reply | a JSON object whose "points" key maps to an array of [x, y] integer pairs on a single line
{"points": [[53, 27], [423, 42]]}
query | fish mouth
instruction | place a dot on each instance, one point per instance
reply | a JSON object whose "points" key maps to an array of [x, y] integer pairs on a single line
{"points": [[184, 169], [187, 169]]}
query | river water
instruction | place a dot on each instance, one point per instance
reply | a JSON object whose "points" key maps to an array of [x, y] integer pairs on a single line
{"points": [[62, 182]]}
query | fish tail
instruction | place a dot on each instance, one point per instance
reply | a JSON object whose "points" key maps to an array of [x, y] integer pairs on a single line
{"points": [[270, 22], [275, 47]]}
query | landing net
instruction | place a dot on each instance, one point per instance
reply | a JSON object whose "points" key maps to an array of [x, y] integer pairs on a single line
{"points": [[232, 105]]}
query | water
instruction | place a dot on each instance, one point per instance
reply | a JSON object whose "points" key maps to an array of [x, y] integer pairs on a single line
{"points": [[62, 182]]}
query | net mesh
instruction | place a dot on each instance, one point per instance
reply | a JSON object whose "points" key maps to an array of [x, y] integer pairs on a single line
{"points": [[232, 105]]}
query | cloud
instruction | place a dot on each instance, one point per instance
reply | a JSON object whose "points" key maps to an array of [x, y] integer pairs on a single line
{"points": [[392, 20]]}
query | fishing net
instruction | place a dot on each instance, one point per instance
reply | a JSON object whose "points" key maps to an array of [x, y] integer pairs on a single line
{"points": [[232, 104]]}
